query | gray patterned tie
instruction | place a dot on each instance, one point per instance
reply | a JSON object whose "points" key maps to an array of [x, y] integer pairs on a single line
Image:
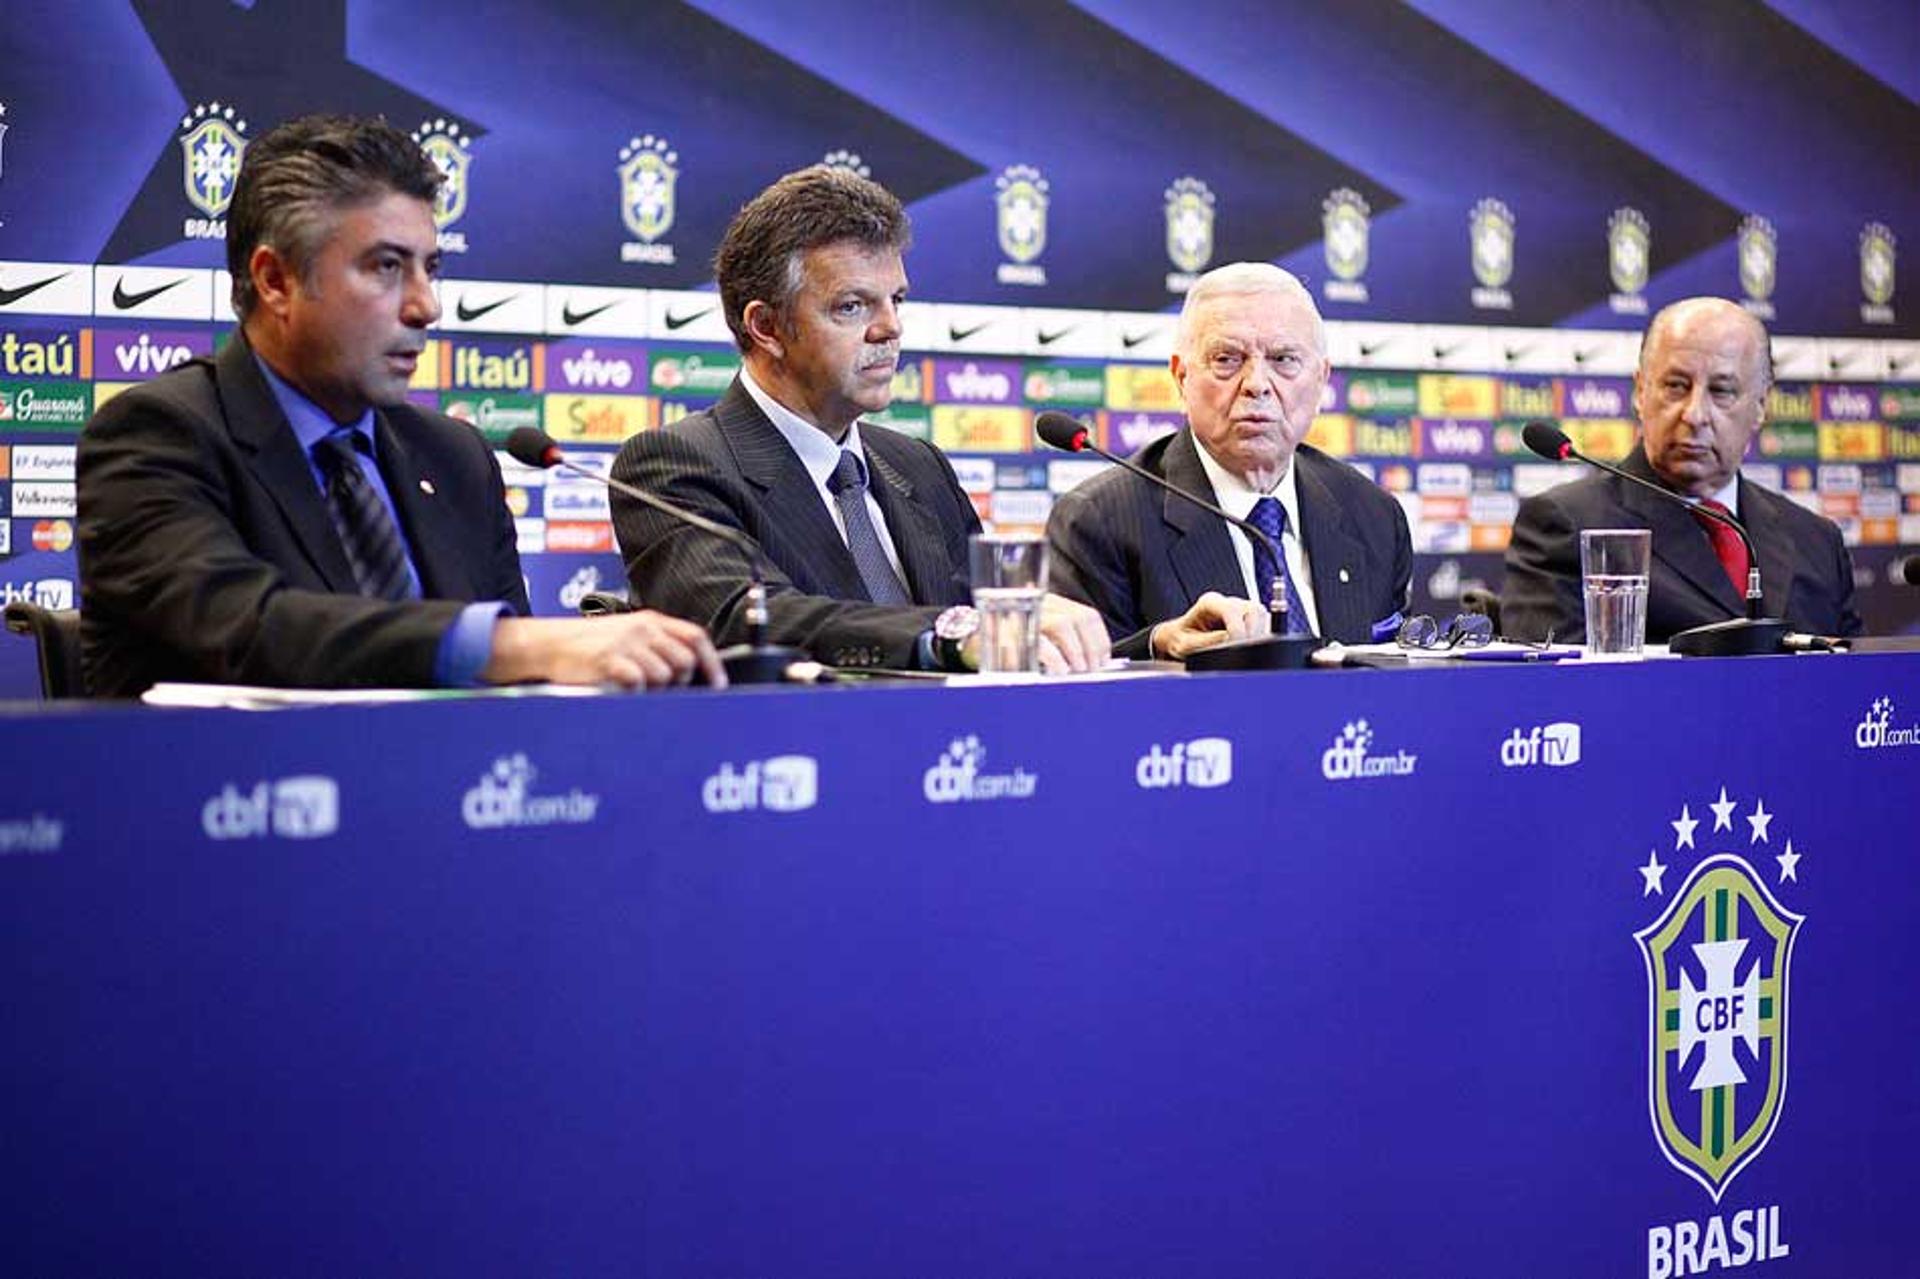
{"points": [[367, 531], [848, 483]]}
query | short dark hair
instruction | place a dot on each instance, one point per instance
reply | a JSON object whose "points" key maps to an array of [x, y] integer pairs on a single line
{"points": [[296, 176], [759, 258]]}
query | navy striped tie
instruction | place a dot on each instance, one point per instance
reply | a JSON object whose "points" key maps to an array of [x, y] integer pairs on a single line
{"points": [[367, 531], [1271, 518], [848, 484]]}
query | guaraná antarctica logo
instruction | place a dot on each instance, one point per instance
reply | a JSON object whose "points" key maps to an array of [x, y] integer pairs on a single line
{"points": [[213, 137], [450, 149], [1718, 960], [1020, 208], [1629, 260], [1189, 211], [1491, 234], [649, 177], [1759, 247], [1345, 222], [1876, 273]]}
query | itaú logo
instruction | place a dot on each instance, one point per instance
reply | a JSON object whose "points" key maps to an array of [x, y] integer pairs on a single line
{"points": [[291, 808]]}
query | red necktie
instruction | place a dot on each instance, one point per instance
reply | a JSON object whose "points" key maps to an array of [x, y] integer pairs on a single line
{"points": [[1727, 546]]}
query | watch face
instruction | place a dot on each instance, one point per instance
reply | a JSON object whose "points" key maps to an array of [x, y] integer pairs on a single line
{"points": [[957, 623]]}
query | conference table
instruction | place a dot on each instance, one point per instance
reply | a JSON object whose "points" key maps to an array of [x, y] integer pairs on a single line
{"points": [[1506, 969]]}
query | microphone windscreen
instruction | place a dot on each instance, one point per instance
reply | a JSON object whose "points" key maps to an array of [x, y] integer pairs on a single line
{"points": [[1546, 439], [1061, 430], [1908, 570], [531, 446]]}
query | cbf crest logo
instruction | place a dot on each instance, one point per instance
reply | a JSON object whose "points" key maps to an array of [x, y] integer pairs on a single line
{"points": [[212, 140], [1629, 259], [649, 178], [1189, 228], [1345, 222], [1490, 231], [1719, 960], [847, 160], [1020, 205], [449, 149], [1876, 273], [1759, 252]]}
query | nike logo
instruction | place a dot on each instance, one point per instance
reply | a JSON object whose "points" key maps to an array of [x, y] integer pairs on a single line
{"points": [[9, 296], [126, 301], [1130, 340], [1516, 353], [468, 314], [1896, 363], [570, 317], [1835, 363], [1368, 349], [1048, 339], [682, 321], [957, 334], [1581, 357], [1442, 352]]}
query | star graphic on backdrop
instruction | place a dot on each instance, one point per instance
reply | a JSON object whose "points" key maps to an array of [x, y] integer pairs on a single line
{"points": [[1759, 819], [295, 60], [1789, 864], [1652, 873], [1683, 829], [1722, 812]]}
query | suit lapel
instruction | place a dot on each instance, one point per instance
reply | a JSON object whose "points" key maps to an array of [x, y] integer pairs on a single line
{"points": [[1333, 553], [1198, 546], [804, 542], [276, 459], [1678, 540], [917, 536], [1772, 543]]}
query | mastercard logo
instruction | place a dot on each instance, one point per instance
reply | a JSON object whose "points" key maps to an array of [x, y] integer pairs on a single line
{"points": [[52, 535]]}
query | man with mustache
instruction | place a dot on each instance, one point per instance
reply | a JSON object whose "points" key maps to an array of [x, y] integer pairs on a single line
{"points": [[279, 514], [863, 531]]}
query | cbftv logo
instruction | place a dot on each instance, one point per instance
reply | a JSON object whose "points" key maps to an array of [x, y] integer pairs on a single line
{"points": [[1552, 745], [47, 592], [783, 784], [1203, 762], [291, 808]]}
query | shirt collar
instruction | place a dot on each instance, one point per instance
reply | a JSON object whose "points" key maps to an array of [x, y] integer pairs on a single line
{"points": [[309, 421], [818, 453], [1237, 497], [1729, 496]]}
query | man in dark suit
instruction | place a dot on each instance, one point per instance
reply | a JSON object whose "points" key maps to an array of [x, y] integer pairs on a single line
{"points": [[862, 531], [1169, 578], [1700, 394], [279, 515]]}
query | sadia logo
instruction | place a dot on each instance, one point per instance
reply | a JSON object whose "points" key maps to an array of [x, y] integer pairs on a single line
{"points": [[504, 798], [958, 776], [1719, 965], [1875, 730], [783, 784], [1348, 757], [1554, 745], [291, 808], [1203, 762]]}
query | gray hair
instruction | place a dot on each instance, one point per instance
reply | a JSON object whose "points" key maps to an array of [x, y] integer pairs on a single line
{"points": [[1669, 314], [1240, 279]]}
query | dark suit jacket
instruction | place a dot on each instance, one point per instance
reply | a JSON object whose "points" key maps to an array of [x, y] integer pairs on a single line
{"points": [[1806, 575], [730, 464], [1140, 555], [207, 552]]}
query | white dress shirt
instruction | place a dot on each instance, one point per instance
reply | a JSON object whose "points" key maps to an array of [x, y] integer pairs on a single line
{"points": [[1237, 497]]}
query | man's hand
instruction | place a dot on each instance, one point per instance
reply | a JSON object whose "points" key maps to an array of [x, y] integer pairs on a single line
{"points": [[1213, 619], [643, 649], [1072, 636]]}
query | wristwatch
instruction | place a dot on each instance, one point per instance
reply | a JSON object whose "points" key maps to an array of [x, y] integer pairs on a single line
{"points": [[951, 631]]}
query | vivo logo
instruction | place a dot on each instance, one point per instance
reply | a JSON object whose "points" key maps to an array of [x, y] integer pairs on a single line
{"points": [[588, 370], [972, 384], [149, 357], [1554, 745], [291, 808], [783, 784], [1204, 762]]}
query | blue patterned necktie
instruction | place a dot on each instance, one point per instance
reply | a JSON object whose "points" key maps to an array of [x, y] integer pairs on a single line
{"points": [[374, 550], [1271, 518], [848, 484]]}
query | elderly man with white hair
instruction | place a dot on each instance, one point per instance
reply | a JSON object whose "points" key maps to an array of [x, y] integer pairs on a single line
{"points": [[1168, 578]]}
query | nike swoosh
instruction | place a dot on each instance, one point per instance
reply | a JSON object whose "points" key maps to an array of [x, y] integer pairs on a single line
{"points": [[1581, 357], [1048, 339], [1130, 340], [126, 301], [957, 334], [9, 296], [468, 314], [1837, 362], [569, 316], [1442, 352], [682, 321], [1515, 352], [1368, 348]]}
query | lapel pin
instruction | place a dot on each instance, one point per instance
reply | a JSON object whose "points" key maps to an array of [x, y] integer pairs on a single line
{"points": [[426, 486], [1344, 576]]}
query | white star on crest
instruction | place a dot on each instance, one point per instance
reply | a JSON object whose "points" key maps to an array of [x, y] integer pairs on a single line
{"points": [[1789, 864], [1652, 872], [1722, 812], [1683, 829], [1759, 819]]}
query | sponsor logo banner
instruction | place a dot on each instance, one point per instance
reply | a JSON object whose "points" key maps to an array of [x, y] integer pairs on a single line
{"points": [[492, 366], [494, 416], [693, 374], [598, 419], [1877, 730], [976, 381], [27, 836], [1352, 756], [566, 535], [982, 430], [1065, 384], [136, 354], [1852, 442], [1133, 386], [1790, 402], [597, 366], [1608, 441], [46, 288], [1543, 746], [960, 776], [44, 405], [1451, 437], [1524, 398], [1128, 433], [43, 461], [47, 592], [1455, 395], [35, 351], [781, 784], [1382, 394], [306, 807], [1593, 397], [42, 501], [504, 798], [1789, 439], [1203, 763], [1835, 402]]}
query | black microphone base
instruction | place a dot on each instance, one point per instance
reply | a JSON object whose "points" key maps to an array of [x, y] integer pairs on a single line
{"points": [[758, 663], [1741, 637], [1265, 653]]}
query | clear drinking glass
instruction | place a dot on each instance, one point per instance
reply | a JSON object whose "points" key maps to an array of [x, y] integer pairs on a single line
{"points": [[1614, 563], [1009, 573]]}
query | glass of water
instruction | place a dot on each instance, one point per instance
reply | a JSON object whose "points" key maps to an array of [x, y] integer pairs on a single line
{"points": [[1009, 578], [1614, 564]]}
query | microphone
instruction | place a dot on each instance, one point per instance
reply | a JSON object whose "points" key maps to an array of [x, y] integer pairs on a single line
{"points": [[756, 661], [1738, 636], [1270, 652], [1905, 570]]}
